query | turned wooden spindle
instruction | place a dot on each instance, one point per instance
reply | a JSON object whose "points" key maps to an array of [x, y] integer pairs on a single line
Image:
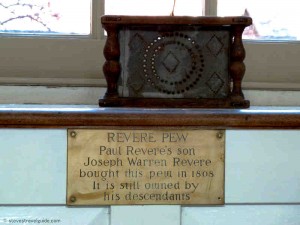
{"points": [[237, 66], [112, 67]]}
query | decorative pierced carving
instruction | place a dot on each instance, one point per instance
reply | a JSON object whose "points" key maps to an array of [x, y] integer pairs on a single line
{"points": [[174, 64], [164, 60], [170, 63]]}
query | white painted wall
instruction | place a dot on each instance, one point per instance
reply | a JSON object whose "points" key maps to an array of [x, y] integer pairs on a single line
{"points": [[262, 183], [90, 96], [242, 215]]}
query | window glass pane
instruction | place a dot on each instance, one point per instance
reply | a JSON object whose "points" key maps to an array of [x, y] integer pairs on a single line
{"points": [[272, 20], [45, 16], [153, 7]]}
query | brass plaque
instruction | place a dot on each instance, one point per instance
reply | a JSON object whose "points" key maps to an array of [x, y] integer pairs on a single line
{"points": [[129, 167]]}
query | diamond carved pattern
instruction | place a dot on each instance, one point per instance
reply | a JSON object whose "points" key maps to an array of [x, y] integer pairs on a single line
{"points": [[215, 45], [170, 62], [136, 84], [136, 42], [215, 83]]}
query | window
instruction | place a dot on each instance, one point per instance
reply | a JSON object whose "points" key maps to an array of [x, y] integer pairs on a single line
{"points": [[45, 17], [272, 55], [72, 59], [272, 20], [68, 56]]}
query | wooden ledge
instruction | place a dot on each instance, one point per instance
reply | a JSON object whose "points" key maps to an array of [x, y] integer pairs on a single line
{"points": [[175, 20], [55, 116]]}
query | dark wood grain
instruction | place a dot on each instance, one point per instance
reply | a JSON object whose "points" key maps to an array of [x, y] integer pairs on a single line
{"points": [[176, 102], [120, 19], [61, 117]]}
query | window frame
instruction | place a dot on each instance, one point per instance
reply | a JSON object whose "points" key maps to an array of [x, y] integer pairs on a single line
{"points": [[78, 60]]}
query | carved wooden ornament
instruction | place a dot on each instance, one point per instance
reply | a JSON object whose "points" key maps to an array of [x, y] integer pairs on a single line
{"points": [[174, 61]]}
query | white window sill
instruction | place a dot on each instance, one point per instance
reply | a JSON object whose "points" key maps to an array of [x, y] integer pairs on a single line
{"points": [[90, 96]]}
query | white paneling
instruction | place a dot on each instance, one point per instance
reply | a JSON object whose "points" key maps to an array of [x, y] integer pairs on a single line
{"points": [[48, 95], [59, 215], [262, 166], [242, 215], [33, 166], [272, 98], [90, 95], [50, 58], [145, 215]]}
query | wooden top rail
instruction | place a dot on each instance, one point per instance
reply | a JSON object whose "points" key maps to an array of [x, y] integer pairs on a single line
{"points": [[176, 20], [24, 116]]}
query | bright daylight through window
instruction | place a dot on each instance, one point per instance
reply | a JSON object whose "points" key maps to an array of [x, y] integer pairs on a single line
{"points": [[272, 20], [45, 16], [153, 7]]}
